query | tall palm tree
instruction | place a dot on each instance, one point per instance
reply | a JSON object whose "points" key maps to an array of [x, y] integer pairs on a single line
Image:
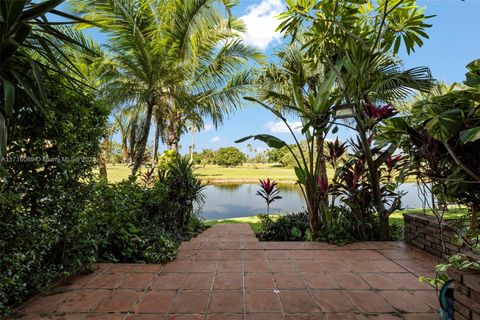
{"points": [[180, 57]]}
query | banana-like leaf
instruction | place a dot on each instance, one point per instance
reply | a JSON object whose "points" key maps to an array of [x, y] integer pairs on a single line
{"points": [[297, 97], [322, 101], [300, 174], [384, 155], [271, 141], [470, 135]]}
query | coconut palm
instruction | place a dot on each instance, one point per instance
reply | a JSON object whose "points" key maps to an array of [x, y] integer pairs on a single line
{"points": [[181, 58]]}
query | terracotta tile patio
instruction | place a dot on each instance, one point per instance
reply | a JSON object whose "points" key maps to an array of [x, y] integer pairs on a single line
{"points": [[226, 273]]}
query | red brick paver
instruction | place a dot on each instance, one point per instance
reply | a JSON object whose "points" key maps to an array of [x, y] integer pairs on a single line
{"points": [[226, 273]]}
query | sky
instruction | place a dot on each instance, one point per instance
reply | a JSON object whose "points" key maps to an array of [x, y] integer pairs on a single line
{"points": [[454, 41]]}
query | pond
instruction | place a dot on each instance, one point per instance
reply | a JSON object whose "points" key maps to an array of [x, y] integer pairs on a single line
{"points": [[240, 200]]}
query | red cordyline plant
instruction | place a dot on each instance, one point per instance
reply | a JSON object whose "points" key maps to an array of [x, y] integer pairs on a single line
{"points": [[379, 113], [392, 161], [334, 151], [269, 192]]}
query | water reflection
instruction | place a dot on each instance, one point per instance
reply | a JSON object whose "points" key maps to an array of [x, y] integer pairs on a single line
{"points": [[240, 200]]}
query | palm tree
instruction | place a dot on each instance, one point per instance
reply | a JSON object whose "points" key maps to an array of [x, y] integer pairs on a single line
{"points": [[177, 58], [32, 48]]}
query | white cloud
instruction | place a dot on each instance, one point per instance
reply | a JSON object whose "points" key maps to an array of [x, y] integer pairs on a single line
{"points": [[281, 127], [208, 127], [261, 23], [215, 139]]}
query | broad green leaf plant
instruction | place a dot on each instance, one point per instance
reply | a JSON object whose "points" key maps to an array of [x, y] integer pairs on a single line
{"points": [[441, 133], [358, 40], [314, 109]]}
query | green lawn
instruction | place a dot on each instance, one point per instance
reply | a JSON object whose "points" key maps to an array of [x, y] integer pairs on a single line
{"points": [[248, 173], [395, 218], [217, 174], [253, 221]]}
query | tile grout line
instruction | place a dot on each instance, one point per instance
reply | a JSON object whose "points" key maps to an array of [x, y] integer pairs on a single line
{"points": [[276, 290], [147, 288], [243, 290], [210, 292], [342, 290], [179, 290], [310, 290]]}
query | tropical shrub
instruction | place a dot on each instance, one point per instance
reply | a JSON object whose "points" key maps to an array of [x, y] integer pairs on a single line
{"points": [[42, 192], [55, 220], [229, 157], [440, 134], [337, 226], [352, 188], [183, 191], [314, 108], [289, 227]]}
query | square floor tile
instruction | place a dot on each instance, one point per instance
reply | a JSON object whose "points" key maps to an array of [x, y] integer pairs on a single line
{"points": [[226, 301], [190, 302], [262, 301]]}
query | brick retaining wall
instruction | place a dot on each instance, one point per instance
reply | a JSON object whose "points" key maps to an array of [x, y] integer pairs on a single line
{"points": [[466, 295], [426, 233]]}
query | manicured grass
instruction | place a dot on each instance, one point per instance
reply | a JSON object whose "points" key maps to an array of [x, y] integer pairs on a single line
{"points": [[249, 172], [253, 221], [217, 174], [117, 172], [395, 218]]}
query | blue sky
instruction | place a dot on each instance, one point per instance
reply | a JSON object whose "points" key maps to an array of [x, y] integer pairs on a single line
{"points": [[454, 41]]}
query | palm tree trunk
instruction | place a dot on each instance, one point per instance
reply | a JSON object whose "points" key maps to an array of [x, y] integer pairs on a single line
{"points": [[102, 160], [193, 144], [156, 140], [133, 138], [172, 137], [142, 142], [124, 150]]}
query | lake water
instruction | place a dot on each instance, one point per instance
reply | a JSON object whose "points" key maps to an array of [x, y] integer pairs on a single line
{"points": [[241, 200]]}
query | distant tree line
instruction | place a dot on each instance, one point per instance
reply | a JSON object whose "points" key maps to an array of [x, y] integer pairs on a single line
{"points": [[231, 156]]}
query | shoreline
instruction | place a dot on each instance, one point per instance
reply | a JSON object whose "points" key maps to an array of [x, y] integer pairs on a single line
{"points": [[242, 181]]}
